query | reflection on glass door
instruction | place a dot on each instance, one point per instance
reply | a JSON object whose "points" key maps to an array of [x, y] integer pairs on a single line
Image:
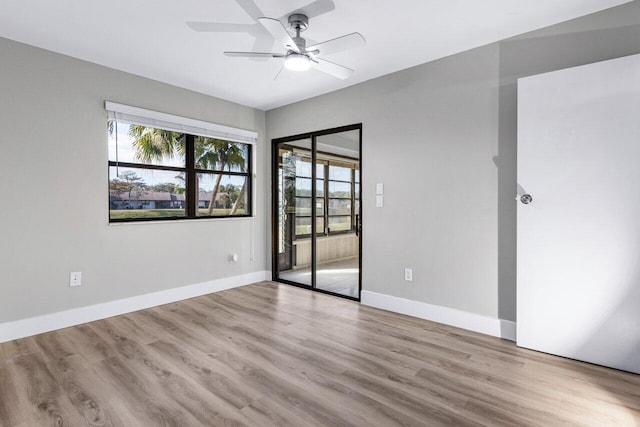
{"points": [[338, 247], [294, 211], [317, 211]]}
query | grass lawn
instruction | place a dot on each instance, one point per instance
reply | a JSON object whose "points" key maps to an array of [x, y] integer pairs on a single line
{"points": [[164, 213]]}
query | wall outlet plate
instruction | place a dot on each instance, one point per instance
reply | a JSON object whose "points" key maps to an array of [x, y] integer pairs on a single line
{"points": [[408, 274], [75, 278]]}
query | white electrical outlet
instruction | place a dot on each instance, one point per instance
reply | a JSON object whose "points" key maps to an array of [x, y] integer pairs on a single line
{"points": [[75, 278], [408, 275]]}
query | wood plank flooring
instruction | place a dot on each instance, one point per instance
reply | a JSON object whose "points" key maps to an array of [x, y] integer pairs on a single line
{"points": [[269, 354]]}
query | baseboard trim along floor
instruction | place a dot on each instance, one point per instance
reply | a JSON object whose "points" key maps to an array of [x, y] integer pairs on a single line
{"points": [[500, 328], [505, 329], [63, 319]]}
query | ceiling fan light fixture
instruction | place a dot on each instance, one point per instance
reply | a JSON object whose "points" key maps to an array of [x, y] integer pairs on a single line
{"points": [[297, 62]]}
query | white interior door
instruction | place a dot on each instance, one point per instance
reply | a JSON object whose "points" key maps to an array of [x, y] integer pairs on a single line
{"points": [[579, 238]]}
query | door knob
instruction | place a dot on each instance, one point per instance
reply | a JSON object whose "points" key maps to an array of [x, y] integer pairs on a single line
{"points": [[526, 199]]}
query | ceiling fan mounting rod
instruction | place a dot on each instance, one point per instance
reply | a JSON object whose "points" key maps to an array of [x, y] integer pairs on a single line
{"points": [[298, 23]]}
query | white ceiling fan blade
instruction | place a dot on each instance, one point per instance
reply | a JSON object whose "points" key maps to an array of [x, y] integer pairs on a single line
{"points": [[279, 32], [279, 72], [250, 8], [256, 30], [313, 9], [339, 44], [331, 68], [254, 55]]}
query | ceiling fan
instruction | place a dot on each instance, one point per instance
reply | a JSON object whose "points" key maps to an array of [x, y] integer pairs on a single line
{"points": [[313, 9], [297, 55]]}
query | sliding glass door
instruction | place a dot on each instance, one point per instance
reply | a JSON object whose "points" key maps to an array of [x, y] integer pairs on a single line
{"points": [[293, 220], [316, 211]]}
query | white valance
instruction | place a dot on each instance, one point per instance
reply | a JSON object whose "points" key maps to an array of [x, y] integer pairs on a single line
{"points": [[141, 116]]}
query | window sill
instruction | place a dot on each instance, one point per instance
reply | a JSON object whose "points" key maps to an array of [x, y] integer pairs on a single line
{"points": [[181, 221]]}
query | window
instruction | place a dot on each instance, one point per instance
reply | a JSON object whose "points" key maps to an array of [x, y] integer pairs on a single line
{"points": [[303, 196], [160, 174], [340, 198], [337, 194]]}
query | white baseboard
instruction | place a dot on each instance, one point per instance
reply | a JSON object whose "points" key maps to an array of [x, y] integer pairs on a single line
{"points": [[461, 319], [63, 319]]}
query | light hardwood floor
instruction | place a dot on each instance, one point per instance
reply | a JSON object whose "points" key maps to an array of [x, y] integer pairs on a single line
{"points": [[339, 277], [269, 354]]}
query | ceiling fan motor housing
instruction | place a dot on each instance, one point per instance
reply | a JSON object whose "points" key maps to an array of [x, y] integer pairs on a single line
{"points": [[298, 22]]}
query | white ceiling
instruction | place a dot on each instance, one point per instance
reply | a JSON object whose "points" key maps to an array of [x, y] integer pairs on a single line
{"points": [[150, 38]]}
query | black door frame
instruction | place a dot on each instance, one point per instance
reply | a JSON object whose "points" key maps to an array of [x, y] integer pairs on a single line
{"points": [[274, 207]]}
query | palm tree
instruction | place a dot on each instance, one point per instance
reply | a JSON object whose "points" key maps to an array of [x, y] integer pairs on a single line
{"points": [[211, 153], [236, 204], [153, 144], [231, 190], [181, 188]]}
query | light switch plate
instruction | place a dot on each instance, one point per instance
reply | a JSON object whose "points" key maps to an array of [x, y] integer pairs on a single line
{"points": [[408, 274], [379, 201], [380, 189]]}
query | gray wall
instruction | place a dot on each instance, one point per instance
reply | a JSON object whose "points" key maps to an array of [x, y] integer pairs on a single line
{"points": [[54, 209], [442, 138]]}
